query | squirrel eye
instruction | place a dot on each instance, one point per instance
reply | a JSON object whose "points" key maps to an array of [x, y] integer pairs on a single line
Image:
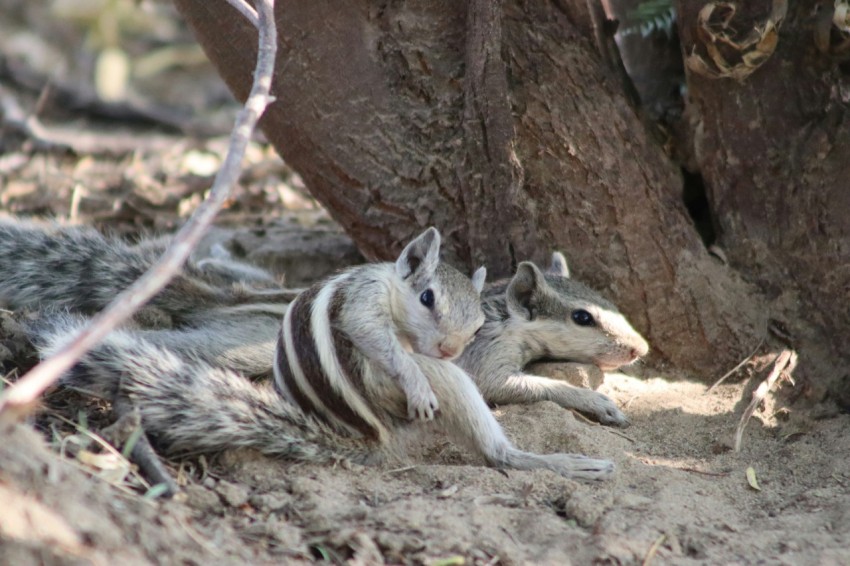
{"points": [[427, 298], [582, 318]]}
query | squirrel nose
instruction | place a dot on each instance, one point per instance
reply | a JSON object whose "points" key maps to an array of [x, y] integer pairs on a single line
{"points": [[639, 351], [448, 351]]}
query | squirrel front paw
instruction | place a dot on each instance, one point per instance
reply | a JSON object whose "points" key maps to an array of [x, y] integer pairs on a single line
{"points": [[603, 409], [421, 401]]}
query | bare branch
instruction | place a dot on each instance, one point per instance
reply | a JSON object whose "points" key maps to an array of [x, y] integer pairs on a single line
{"points": [[737, 367], [74, 138], [784, 364], [23, 394]]}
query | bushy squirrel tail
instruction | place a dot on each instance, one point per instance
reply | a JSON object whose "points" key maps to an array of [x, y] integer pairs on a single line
{"points": [[79, 269], [188, 406]]}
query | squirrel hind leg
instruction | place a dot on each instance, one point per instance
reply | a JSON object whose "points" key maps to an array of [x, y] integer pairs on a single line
{"points": [[466, 416], [128, 420]]}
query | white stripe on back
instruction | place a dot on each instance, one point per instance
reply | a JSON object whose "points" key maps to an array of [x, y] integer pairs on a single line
{"points": [[298, 374], [323, 338]]}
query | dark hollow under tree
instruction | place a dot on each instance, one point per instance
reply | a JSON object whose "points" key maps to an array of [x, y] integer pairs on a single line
{"points": [[499, 123]]}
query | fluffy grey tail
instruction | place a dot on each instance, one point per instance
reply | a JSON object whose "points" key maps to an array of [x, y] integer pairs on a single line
{"points": [[79, 269], [188, 406]]}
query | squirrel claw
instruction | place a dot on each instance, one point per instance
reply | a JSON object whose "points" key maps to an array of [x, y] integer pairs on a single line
{"points": [[422, 405]]}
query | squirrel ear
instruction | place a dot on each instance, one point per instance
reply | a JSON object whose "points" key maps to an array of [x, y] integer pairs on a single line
{"points": [[478, 278], [559, 265], [523, 290], [421, 255]]}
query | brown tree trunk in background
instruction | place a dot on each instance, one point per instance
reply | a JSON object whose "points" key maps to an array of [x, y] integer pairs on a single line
{"points": [[774, 150], [497, 123]]}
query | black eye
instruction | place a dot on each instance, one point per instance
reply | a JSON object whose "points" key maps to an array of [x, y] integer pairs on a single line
{"points": [[427, 298], [582, 318]]}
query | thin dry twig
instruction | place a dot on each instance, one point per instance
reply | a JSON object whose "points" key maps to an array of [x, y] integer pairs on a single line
{"points": [[784, 364], [17, 399], [737, 367], [73, 139], [650, 554], [605, 428], [616, 432], [80, 99], [703, 472]]}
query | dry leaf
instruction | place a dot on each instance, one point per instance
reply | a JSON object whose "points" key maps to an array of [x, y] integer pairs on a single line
{"points": [[112, 468], [730, 53], [751, 478]]}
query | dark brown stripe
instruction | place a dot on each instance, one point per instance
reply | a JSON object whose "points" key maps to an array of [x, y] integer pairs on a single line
{"points": [[285, 371], [308, 358], [349, 361]]}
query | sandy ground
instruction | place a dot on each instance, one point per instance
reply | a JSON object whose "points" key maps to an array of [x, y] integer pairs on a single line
{"points": [[680, 496]]}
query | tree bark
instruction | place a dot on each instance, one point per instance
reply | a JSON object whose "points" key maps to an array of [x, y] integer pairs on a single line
{"points": [[497, 123], [774, 153]]}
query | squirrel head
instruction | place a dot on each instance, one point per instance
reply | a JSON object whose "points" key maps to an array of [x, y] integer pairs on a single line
{"points": [[570, 320], [441, 307]]}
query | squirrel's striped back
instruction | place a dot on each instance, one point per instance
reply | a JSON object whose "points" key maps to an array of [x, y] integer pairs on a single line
{"points": [[318, 368]]}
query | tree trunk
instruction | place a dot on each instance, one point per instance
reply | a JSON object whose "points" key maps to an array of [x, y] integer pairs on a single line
{"points": [[497, 123], [774, 150]]}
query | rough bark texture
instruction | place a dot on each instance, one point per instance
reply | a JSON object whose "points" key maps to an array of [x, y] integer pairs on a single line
{"points": [[497, 123], [774, 153]]}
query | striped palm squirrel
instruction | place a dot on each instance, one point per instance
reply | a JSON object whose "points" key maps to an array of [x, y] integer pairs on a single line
{"points": [[356, 357], [537, 315]]}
